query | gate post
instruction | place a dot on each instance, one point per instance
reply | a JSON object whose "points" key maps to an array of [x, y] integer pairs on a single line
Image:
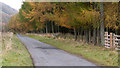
{"points": [[111, 40], [106, 39]]}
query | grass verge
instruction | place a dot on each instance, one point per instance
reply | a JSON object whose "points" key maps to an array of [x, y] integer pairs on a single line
{"points": [[16, 54], [96, 54]]}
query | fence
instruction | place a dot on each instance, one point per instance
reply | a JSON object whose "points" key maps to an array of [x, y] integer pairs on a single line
{"points": [[112, 41]]}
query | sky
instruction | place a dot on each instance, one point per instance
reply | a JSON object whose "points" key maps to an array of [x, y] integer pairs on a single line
{"points": [[16, 4]]}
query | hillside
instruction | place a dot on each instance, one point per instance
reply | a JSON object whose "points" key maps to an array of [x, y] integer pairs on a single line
{"points": [[6, 12]]}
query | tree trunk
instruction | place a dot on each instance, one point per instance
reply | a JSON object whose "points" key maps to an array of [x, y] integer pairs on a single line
{"points": [[79, 34], [82, 34], [58, 29], [46, 28], [75, 33], [102, 23], [86, 36], [94, 36], [43, 30], [89, 35], [52, 27], [98, 36], [107, 29], [116, 32]]}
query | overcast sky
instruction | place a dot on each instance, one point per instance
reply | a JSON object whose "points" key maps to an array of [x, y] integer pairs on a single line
{"points": [[16, 4]]}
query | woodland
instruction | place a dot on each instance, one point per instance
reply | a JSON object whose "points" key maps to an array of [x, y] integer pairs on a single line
{"points": [[85, 20]]}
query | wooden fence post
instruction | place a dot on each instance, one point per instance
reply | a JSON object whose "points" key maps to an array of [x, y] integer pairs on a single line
{"points": [[111, 40], [106, 39]]}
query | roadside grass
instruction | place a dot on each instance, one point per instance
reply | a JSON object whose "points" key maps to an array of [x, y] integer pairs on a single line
{"points": [[0, 50], [16, 55], [97, 54]]}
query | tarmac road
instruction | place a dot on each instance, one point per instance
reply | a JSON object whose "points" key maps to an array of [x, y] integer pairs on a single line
{"points": [[47, 55]]}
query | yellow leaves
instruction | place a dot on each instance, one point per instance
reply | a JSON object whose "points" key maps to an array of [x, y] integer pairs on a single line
{"points": [[27, 17], [32, 12], [26, 24], [89, 17], [110, 13], [32, 4], [32, 19], [31, 29], [63, 10], [24, 13], [15, 23], [38, 12]]}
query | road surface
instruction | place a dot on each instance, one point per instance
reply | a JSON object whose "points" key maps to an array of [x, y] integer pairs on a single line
{"points": [[47, 55]]}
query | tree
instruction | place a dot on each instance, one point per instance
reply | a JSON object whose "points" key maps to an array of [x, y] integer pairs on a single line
{"points": [[102, 23]]}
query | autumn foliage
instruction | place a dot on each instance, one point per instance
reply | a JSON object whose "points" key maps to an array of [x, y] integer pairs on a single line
{"points": [[82, 18]]}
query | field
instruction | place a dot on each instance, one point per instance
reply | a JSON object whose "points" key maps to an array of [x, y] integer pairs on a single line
{"points": [[97, 54], [14, 52]]}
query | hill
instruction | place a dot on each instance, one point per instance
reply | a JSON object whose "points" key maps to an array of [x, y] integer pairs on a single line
{"points": [[6, 12]]}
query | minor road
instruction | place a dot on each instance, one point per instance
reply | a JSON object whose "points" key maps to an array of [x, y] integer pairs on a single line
{"points": [[47, 55]]}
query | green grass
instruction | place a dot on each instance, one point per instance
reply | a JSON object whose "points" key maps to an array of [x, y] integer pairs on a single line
{"points": [[96, 54], [17, 55]]}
